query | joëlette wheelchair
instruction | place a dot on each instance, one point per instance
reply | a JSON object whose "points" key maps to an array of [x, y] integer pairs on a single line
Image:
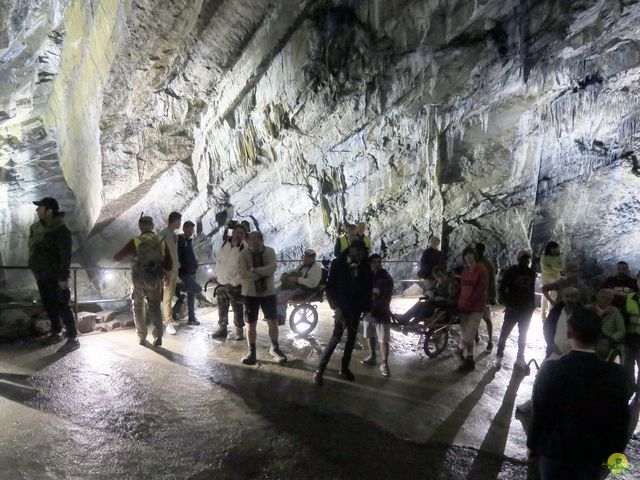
{"points": [[433, 331], [303, 319]]}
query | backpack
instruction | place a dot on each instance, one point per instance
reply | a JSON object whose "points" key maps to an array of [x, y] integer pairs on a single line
{"points": [[148, 266]]}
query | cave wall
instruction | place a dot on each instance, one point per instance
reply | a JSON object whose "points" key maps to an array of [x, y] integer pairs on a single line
{"points": [[510, 122]]}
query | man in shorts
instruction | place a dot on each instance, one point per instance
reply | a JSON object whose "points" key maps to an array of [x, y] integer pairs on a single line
{"points": [[376, 324], [257, 264]]}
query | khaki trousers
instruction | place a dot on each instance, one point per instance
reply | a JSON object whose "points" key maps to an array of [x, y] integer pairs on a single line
{"points": [[146, 307], [168, 291]]}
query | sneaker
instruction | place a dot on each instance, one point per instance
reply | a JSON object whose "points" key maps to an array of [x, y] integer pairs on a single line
{"points": [[370, 360], [467, 365], [250, 359], [239, 333], [498, 363], [521, 364], [221, 332], [276, 352], [71, 345], [52, 339], [489, 347], [193, 321], [170, 329], [346, 373], [525, 407], [157, 342], [317, 377], [384, 368]]}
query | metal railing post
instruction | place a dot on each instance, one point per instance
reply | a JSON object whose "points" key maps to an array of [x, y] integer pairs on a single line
{"points": [[75, 294]]}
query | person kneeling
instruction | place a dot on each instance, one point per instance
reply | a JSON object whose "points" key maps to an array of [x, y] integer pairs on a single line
{"points": [[376, 324]]}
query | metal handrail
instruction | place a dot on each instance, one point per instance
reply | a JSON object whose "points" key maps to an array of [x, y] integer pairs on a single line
{"points": [[74, 269]]}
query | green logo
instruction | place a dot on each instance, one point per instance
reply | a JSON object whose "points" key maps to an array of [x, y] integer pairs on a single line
{"points": [[618, 464]]}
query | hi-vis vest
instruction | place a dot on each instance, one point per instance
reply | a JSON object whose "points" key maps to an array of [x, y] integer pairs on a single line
{"points": [[633, 309], [344, 242]]}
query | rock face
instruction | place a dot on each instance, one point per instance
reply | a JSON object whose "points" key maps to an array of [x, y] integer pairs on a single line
{"points": [[505, 121]]}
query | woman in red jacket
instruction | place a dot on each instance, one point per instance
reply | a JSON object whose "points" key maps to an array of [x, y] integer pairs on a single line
{"points": [[471, 304]]}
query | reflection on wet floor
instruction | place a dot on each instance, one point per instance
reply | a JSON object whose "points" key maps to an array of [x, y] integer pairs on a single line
{"points": [[114, 409]]}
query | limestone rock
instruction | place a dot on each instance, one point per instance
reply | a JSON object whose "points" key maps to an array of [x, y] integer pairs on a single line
{"points": [[86, 322]]}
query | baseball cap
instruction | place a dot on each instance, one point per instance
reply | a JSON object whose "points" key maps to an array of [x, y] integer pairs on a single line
{"points": [[523, 253], [310, 252], [48, 203]]}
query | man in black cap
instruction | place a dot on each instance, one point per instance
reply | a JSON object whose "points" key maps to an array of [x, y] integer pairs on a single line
{"points": [[49, 260]]}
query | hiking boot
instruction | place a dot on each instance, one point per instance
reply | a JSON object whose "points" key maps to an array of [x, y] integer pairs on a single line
{"points": [[250, 359], [498, 363], [346, 373], [317, 378], [276, 352], [467, 365], [71, 345], [520, 364], [384, 368], [525, 407], [52, 339], [193, 321], [170, 329], [221, 332], [489, 347], [157, 342], [142, 341], [239, 333], [370, 360]]}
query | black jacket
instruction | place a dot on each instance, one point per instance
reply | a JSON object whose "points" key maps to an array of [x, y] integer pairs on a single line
{"points": [[381, 296], [580, 409], [517, 288], [50, 255], [430, 259], [188, 262], [349, 291]]}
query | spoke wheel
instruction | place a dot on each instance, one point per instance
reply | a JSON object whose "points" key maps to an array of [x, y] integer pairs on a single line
{"points": [[435, 341], [303, 319]]}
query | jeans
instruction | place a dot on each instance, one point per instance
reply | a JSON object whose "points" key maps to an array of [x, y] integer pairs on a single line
{"points": [[191, 288], [350, 323], [56, 303], [512, 317], [551, 469]]}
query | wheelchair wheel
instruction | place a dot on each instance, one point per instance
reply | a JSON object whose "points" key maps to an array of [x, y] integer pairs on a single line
{"points": [[435, 341], [303, 319]]}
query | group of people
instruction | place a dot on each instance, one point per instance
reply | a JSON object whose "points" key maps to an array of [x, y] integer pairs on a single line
{"points": [[584, 331]]}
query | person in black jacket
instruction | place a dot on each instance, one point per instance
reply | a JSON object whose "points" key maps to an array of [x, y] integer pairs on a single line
{"points": [[187, 273], [348, 289], [580, 407], [431, 258], [376, 325], [49, 260], [517, 291]]}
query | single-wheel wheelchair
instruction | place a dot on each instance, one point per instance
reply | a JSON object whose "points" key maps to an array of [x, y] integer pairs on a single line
{"points": [[434, 330], [304, 316]]}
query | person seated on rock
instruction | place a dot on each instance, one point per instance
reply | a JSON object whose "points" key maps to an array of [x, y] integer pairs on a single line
{"points": [[298, 283], [621, 283], [613, 329], [343, 241], [443, 295]]}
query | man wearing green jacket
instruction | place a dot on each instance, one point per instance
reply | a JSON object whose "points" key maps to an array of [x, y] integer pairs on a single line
{"points": [[49, 260]]}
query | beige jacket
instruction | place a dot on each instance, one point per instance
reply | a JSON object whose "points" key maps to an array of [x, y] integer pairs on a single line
{"points": [[249, 274], [171, 239]]}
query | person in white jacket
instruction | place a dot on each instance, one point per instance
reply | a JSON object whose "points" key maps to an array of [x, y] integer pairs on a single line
{"points": [[298, 283], [229, 283]]}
